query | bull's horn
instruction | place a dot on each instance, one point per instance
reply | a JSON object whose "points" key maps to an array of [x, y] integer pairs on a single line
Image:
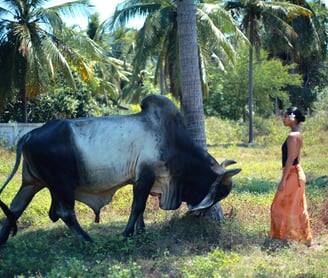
{"points": [[231, 172], [225, 163], [207, 202], [209, 198]]}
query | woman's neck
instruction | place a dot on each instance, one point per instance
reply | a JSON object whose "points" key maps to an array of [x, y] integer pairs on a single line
{"points": [[295, 128]]}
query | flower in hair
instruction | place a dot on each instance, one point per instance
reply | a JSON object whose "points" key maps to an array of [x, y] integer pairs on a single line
{"points": [[292, 116]]}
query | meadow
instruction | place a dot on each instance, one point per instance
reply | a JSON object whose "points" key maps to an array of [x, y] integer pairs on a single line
{"points": [[177, 244]]}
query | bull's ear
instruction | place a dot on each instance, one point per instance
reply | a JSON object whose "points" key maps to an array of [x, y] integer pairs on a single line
{"points": [[226, 180]]}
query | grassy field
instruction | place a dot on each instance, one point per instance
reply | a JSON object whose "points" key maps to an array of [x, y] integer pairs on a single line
{"points": [[177, 244]]}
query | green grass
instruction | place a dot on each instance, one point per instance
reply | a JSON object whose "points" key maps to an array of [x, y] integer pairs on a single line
{"points": [[177, 244]]}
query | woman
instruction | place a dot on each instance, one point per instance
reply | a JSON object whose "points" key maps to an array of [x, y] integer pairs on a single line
{"points": [[289, 216]]}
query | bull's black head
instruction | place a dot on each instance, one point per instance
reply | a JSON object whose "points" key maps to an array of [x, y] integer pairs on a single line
{"points": [[219, 189]]}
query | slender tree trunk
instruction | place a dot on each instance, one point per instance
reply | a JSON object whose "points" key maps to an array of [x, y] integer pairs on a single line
{"points": [[23, 92], [24, 106], [250, 84], [161, 79], [191, 95]]}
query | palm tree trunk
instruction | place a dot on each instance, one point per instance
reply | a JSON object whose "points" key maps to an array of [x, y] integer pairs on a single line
{"points": [[191, 95], [250, 84], [191, 99]]}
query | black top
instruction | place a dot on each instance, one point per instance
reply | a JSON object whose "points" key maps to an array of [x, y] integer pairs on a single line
{"points": [[284, 150]]}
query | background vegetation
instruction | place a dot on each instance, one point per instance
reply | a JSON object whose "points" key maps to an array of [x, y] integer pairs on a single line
{"points": [[177, 244], [108, 64]]}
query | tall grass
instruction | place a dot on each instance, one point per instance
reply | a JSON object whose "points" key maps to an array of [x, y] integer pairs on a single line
{"points": [[177, 244]]}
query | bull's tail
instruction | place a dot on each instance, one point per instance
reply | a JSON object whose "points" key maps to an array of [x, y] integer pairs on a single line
{"points": [[19, 149]]}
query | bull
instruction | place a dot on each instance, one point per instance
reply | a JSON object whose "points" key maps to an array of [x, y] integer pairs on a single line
{"points": [[89, 159]]}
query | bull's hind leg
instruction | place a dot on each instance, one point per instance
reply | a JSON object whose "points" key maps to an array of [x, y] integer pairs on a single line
{"points": [[17, 206], [67, 214], [62, 206]]}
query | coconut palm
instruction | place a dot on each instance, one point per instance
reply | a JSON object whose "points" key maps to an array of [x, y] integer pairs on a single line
{"points": [[255, 16], [33, 49], [158, 38], [170, 34]]}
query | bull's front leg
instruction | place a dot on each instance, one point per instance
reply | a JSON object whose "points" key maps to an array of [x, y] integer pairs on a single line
{"points": [[141, 192]]}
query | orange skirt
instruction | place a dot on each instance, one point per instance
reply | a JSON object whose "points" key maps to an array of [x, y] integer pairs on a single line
{"points": [[289, 216]]}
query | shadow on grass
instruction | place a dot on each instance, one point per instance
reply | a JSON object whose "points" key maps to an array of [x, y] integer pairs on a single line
{"points": [[260, 186], [46, 251], [257, 186], [319, 182]]}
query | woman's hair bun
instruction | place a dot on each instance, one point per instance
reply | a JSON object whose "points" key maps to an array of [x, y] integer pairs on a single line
{"points": [[297, 112]]}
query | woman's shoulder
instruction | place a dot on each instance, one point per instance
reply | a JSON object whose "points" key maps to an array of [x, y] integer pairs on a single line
{"points": [[294, 136]]}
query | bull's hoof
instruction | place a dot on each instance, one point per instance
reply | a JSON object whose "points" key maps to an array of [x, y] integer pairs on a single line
{"points": [[128, 233], [83, 242], [5, 232], [141, 230], [3, 240], [82, 236], [87, 238], [14, 228]]}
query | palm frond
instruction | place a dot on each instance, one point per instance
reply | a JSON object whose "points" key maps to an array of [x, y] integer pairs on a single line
{"points": [[287, 10], [123, 15], [216, 38], [73, 8], [55, 58], [86, 46], [224, 21]]}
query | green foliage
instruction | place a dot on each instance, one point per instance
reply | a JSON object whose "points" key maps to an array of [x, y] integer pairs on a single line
{"points": [[220, 131], [302, 97], [34, 43], [228, 91], [156, 42], [119, 270], [62, 102], [93, 25]]}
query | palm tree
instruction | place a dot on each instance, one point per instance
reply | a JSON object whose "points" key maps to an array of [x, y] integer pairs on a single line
{"points": [[33, 48], [158, 38], [308, 51], [274, 17], [170, 34]]}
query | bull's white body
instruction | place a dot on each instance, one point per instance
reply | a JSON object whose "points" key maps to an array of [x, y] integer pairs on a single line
{"points": [[114, 159]]}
